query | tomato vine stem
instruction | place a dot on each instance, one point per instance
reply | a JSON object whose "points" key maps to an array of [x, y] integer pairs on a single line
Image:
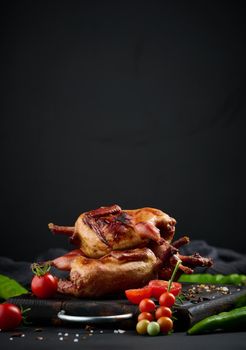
{"points": [[173, 275]]}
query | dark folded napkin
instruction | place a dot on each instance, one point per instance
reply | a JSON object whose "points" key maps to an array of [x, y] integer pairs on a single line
{"points": [[226, 261], [21, 270]]}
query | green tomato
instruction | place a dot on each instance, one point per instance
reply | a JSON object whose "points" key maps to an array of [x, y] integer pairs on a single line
{"points": [[141, 326], [153, 328]]}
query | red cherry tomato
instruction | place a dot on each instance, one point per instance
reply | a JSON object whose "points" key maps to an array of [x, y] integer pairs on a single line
{"points": [[136, 295], [167, 299], [160, 286], [145, 316], [44, 286], [10, 316], [163, 311], [146, 305], [166, 324]]}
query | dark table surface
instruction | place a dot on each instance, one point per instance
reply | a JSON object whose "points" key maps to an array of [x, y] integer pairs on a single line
{"points": [[64, 338]]}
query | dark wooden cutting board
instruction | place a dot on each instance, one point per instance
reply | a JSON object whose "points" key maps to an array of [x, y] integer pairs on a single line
{"points": [[207, 301], [44, 311]]}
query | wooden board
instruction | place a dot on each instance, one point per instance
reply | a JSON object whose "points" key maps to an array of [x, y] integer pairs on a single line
{"points": [[203, 304], [44, 311], [206, 301]]}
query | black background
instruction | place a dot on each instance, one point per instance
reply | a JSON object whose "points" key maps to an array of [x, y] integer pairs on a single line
{"points": [[122, 102]]}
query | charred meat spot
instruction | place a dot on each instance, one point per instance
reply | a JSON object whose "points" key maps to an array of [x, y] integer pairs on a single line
{"points": [[93, 224], [124, 219]]}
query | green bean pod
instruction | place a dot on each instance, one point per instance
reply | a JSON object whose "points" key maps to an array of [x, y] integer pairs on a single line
{"points": [[233, 278], [225, 321]]}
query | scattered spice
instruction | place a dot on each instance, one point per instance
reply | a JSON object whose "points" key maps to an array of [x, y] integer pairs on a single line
{"points": [[200, 292], [121, 331], [88, 328], [18, 334], [38, 329], [39, 338]]}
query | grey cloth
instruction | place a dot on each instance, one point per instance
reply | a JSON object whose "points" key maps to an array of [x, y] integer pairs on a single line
{"points": [[21, 270], [226, 261]]}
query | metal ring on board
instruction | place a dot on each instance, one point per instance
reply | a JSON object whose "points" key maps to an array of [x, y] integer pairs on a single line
{"points": [[92, 319]]}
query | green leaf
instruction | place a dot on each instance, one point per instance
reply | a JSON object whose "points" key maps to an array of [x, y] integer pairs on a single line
{"points": [[10, 288]]}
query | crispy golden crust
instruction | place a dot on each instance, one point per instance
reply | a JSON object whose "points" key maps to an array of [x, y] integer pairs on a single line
{"points": [[118, 229], [110, 274]]}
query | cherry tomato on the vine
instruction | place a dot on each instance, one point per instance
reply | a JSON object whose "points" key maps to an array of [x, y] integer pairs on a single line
{"points": [[147, 305], [153, 328], [136, 295], [163, 311], [10, 316], [44, 286], [142, 326], [160, 286], [167, 299], [145, 316], [166, 324]]}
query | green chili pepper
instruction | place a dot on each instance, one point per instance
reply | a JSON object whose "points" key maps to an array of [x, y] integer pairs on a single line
{"points": [[226, 321], [233, 278]]}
